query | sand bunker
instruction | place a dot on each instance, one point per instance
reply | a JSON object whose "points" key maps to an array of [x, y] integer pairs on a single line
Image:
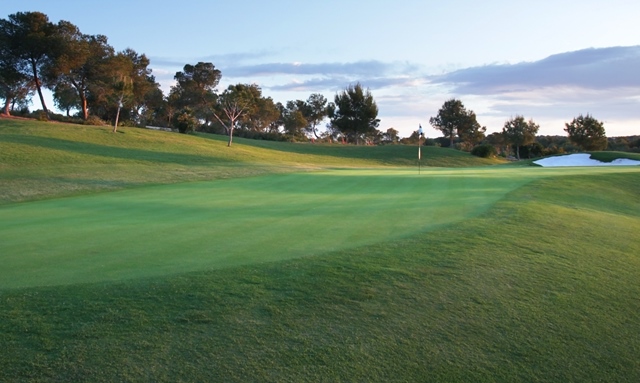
{"points": [[582, 159]]}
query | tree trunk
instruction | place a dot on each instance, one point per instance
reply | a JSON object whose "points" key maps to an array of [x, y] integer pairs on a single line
{"points": [[115, 126], [518, 152], [7, 103], [85, 109], [230, 137], [39, 87], [451, 140]]}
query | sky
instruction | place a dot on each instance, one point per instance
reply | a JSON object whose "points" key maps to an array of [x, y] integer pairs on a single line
{"points": [[549, 61]]}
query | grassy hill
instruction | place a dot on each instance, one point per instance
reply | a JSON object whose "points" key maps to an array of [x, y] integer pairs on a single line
{"points": [[39, 159], [258, 269]]}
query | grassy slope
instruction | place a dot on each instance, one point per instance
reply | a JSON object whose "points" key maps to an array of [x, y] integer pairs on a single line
{"points": [[185, 227], [40, 160], [542, 287]]}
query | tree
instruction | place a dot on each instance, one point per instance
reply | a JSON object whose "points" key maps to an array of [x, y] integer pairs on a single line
{"points": [[232, 104], [80, 63], [587, 132], [195, 89], [15, 86], [294, 118], [453, 119], [259, 112], [122, 87], [315, 111], [65, 97], [518, 132], [31, 41], [391, 136], [185, 121], [354, 113]]}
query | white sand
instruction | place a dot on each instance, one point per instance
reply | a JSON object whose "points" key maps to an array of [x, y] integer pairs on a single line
{"points": [[582, 159]]}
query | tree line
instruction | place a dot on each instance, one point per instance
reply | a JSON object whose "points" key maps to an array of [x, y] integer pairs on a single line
{"points": [[461, 129], [86, 74]]}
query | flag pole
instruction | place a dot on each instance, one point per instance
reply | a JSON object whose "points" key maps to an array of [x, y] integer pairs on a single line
{"points": [[419, 146]]}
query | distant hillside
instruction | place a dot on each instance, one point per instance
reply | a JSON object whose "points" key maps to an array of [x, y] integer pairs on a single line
{"points": [[40, 159]]}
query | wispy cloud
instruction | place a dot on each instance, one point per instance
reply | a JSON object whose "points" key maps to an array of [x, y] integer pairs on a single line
{"points": [[604, 82], [602, 68], [360, 68], [336, 83]]}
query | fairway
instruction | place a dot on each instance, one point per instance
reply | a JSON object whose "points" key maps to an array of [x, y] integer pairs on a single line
{"points": [[147, 256], [170, 229], [202, 225]]}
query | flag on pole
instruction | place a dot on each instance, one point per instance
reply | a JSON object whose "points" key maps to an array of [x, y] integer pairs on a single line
{"points": [[419, 135]]}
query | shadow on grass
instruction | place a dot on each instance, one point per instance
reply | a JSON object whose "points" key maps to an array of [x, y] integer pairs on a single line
{"points": [[398, 155], [111, 151]]}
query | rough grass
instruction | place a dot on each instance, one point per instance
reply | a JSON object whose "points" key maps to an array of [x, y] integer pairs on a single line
{"points": [[185, 227], [40, 160], [543, 287], [540, 284]]}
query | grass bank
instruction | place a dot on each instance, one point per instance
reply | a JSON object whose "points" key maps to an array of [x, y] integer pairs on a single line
{"points": [[542, 287]]}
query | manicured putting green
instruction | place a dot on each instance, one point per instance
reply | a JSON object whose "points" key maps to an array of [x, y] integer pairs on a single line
{"points": [[175, 228], [168, 229]]}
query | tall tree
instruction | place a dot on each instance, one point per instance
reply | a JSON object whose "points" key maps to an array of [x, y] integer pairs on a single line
{"points": [[587, 132], [232, 104], [519, 132], [81, 62], [453, 119], [294, 119], [123, 86], [391, 136], [315, 112], [259, 112], [195, 89], [14, 84], [65, 97], [32, 40], [354, 113]]}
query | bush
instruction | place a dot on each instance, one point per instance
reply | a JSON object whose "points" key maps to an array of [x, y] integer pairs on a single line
{"points": [[94, 120], [185, 121], [484, 151], [40, 115], [431, 142]]}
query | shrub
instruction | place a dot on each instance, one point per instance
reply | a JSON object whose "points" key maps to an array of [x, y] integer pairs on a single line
{"points": [[94, 120], [185, 121], [484, 151]]}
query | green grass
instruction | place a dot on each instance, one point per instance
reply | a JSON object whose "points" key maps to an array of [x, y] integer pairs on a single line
{"points": [[498, 274], [184, 227], [610, 156], [40, 160]]}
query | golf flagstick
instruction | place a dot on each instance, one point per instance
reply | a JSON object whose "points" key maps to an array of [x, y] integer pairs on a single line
{"points": [[419, 146]]}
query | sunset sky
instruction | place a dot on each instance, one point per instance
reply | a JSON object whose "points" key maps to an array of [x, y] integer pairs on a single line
{"points": [[546, 60]]}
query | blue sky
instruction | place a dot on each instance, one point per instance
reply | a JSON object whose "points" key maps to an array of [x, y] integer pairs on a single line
{"points": [[546, 60]]}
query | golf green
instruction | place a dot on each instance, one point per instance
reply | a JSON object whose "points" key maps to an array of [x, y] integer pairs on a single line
{"points": [[167, 229], [174, 228]]}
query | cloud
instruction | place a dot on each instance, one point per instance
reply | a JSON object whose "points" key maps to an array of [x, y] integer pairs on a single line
{"points": [[226, 60], [602, 68], [338, 82], [360, 68]]}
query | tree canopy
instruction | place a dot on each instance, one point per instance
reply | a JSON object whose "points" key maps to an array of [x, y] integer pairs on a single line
{"points": [[454, 120], [29, 38], [354, 113], [587, 132], [519, 132]]}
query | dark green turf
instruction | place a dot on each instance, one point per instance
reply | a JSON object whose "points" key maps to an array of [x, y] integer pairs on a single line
{"points": [[185, 227], [500, 274], [543, 287]]}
